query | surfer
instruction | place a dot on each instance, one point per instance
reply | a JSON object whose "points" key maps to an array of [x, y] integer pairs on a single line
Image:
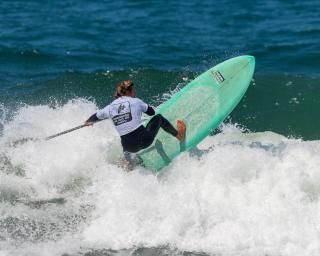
{"points": [[125, 112]]}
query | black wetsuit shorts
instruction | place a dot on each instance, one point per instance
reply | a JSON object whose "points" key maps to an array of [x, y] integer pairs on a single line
{"points": [[143, 137]]}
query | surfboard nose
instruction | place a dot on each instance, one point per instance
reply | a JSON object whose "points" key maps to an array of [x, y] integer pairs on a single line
{"points": [[252, 59], [252, 63], [246, 61]]}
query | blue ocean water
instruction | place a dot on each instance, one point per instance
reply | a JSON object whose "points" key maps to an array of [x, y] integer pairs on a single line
{"points": [[83, 49], [60, 62]]}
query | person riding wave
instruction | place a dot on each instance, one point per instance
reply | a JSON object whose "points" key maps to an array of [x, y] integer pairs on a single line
{"points": [[126, 111]]}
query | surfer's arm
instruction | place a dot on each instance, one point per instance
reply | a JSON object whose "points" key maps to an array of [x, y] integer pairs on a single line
{"points": [[150, 111], [145, 108]]}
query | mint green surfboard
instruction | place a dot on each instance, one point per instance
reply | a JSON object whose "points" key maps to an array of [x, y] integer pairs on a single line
{"points": [[202, 104]]}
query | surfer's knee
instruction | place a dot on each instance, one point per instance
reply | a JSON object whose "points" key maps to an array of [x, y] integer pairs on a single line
{"points": [[158, 116]]}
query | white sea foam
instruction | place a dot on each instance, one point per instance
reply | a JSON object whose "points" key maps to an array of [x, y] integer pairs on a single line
{"points": [[239, 193]]}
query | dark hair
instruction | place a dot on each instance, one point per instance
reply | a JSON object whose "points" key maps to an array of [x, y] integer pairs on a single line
{"points": [[123, 87]]}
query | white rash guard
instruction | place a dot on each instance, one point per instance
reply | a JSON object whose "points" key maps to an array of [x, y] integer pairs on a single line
{"points": [[125, 113]]}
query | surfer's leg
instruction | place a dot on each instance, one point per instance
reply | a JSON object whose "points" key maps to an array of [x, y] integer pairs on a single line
{"points": [[126, 163], [159, 121], [130, 161]]}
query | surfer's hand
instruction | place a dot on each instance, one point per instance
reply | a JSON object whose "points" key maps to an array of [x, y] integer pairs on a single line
{"points": [[87, 123]]}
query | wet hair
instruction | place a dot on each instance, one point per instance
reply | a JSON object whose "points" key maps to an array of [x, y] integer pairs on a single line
{"points": [[123, 87]]}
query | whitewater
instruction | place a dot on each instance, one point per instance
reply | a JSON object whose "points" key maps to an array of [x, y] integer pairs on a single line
{"points": [[239, 193]]}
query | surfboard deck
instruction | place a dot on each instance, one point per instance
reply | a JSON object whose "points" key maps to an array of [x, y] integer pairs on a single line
{"points": [[202, 104]]}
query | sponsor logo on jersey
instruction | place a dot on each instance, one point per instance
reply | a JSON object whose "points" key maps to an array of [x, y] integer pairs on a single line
{"points": [[121, 113]]}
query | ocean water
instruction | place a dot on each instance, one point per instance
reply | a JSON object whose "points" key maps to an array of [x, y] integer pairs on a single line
{"points": [[251, 188]]}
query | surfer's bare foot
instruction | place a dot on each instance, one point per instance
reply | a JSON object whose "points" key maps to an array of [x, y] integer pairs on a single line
{"points": [[181, 127]]}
